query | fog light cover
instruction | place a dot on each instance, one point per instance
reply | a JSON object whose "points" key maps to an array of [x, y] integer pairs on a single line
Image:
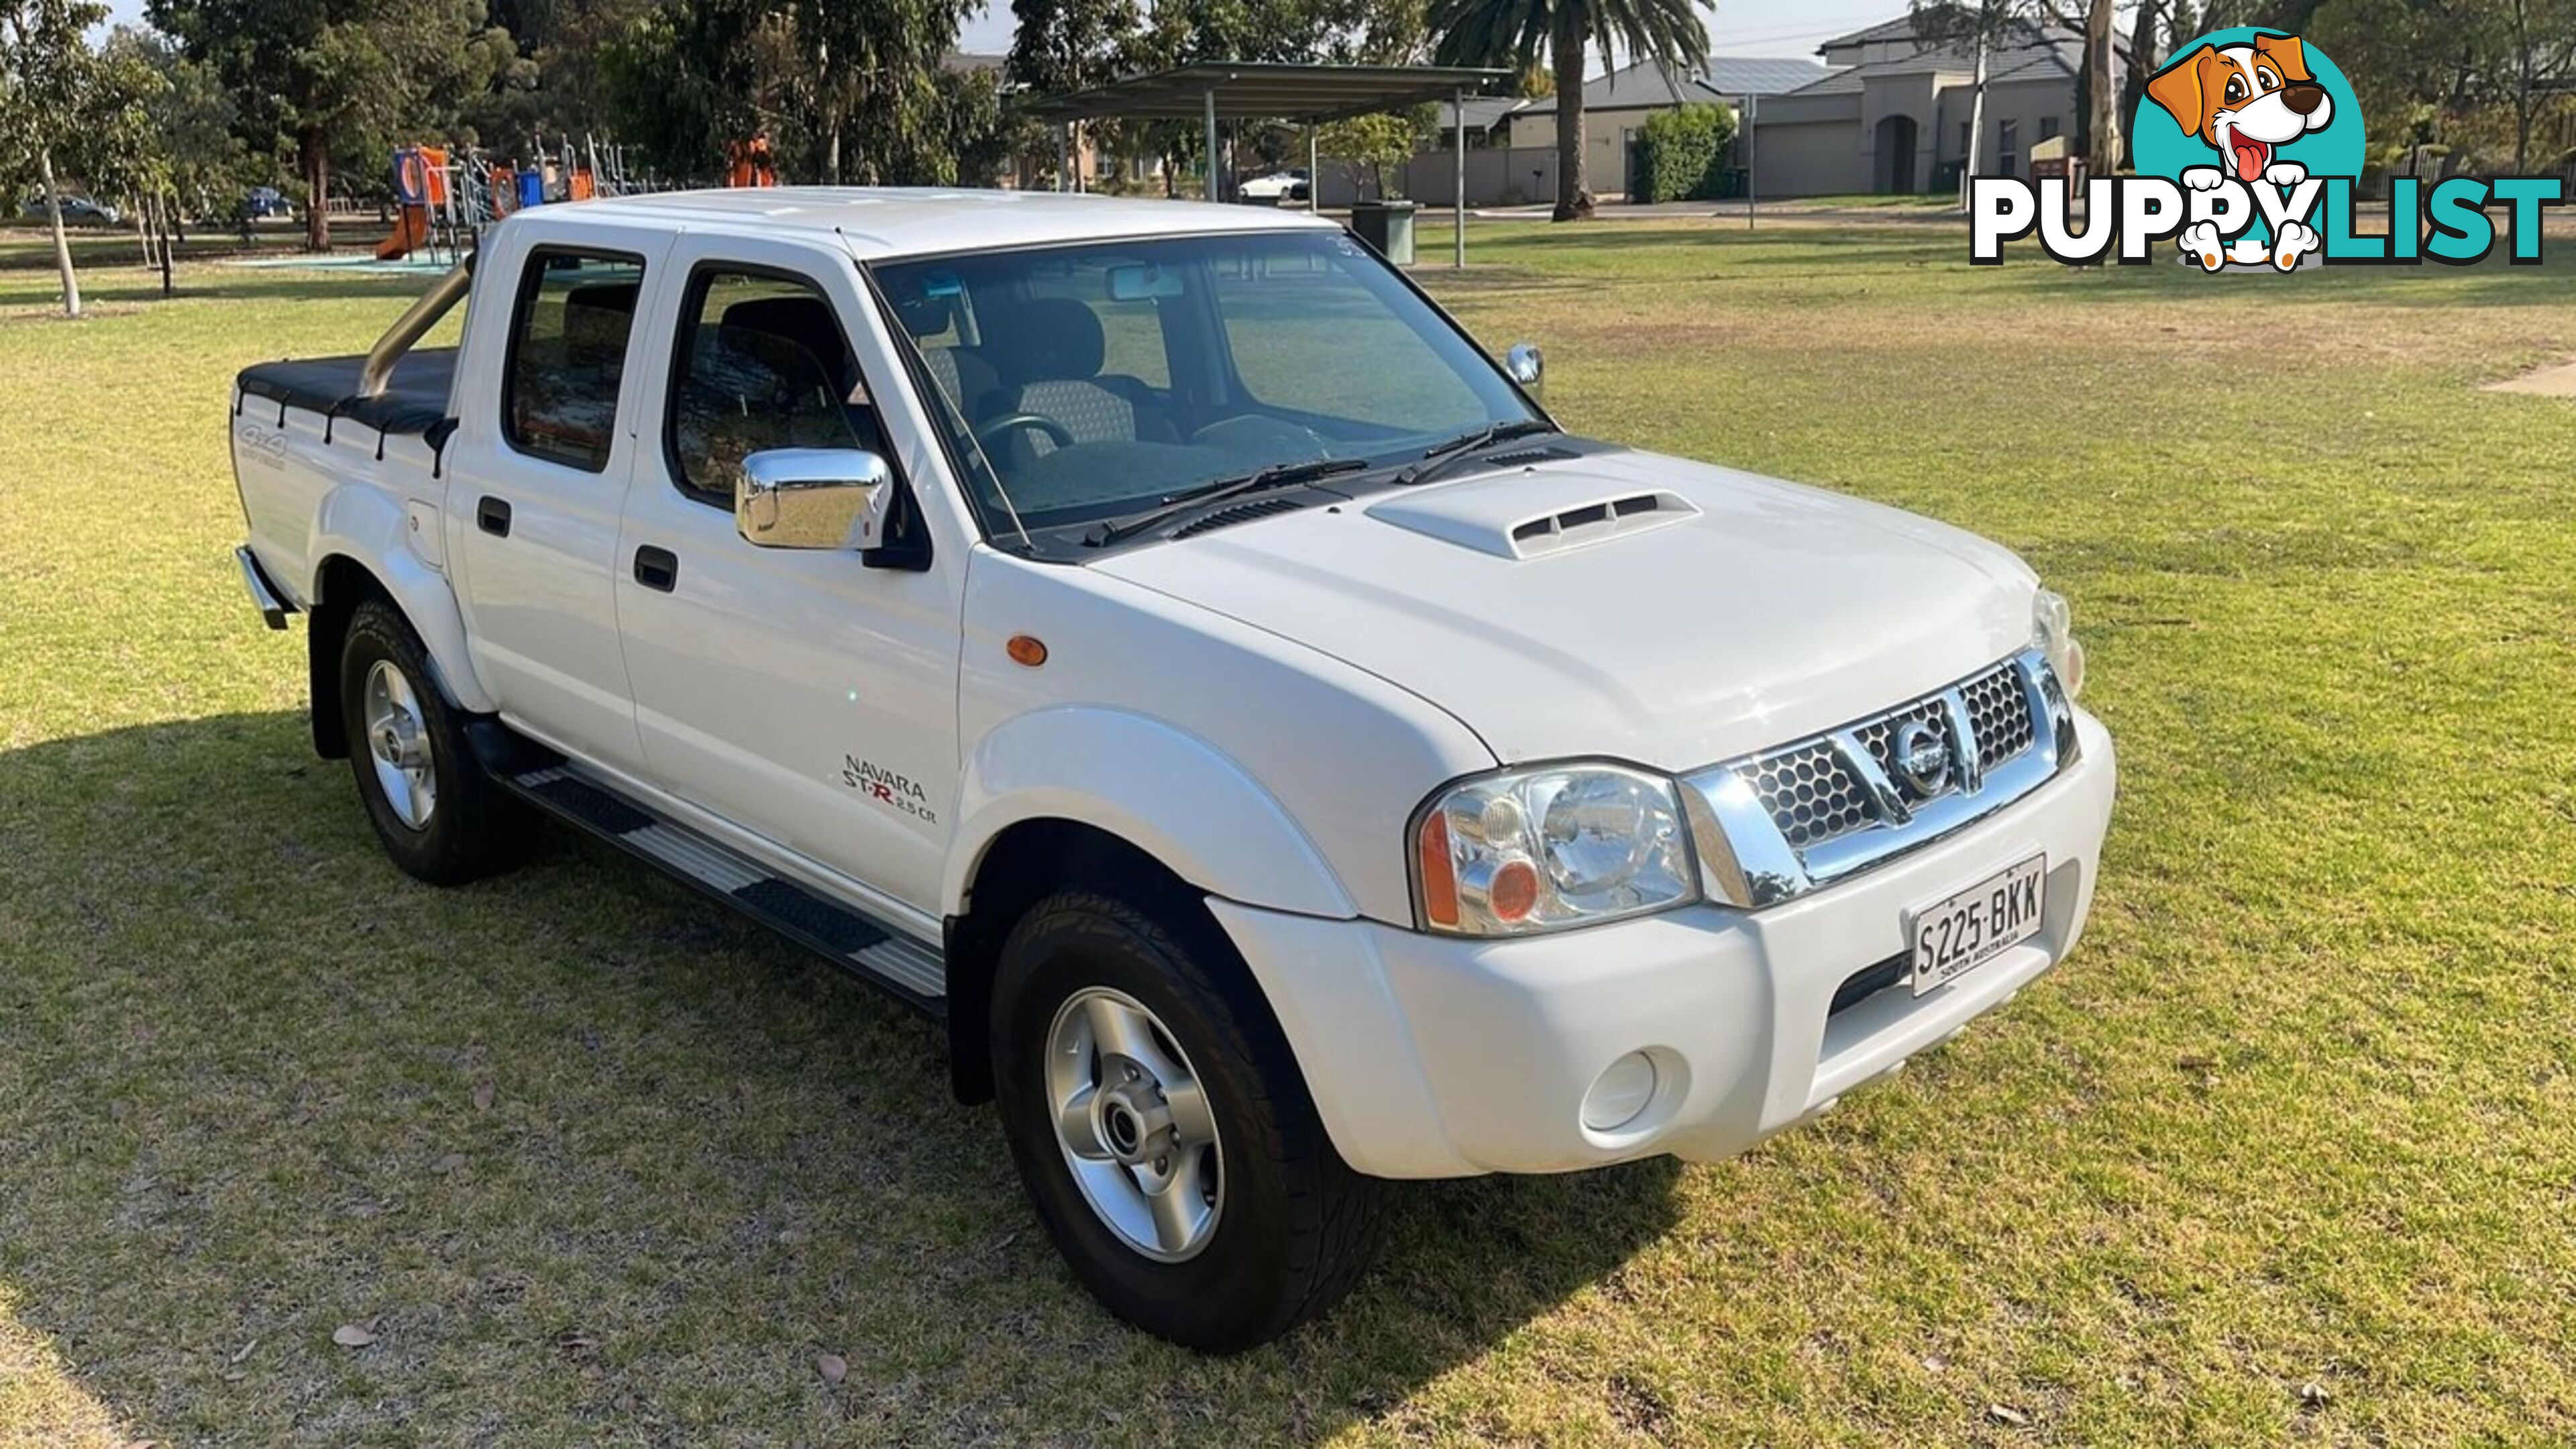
{"points": [[1620, 1094]]}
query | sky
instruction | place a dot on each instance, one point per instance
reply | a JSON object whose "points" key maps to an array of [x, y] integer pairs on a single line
{"points": [[1742, 27]]}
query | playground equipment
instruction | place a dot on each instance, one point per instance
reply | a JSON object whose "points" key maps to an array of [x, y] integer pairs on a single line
{"points": [[420, 191], [445, 198], [749, 163]]}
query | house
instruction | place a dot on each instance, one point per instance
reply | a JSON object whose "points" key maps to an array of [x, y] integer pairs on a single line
{"points": [[1616, 105], [1488, 122], [1892, 115]]}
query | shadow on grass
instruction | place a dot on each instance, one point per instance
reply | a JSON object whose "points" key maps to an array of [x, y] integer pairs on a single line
{"points": [[246, 1044]]}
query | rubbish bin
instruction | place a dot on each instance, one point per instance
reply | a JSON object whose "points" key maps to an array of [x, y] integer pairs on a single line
{"points": [[1387, 226]]}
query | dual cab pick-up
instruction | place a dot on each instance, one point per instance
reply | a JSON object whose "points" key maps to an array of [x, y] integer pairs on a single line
{"points": [[1156, 641]]}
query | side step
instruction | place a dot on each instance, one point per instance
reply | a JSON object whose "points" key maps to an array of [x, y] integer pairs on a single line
{"points": [[912, 972]]}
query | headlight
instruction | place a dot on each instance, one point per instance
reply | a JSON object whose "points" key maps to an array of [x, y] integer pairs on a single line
{"points": [[2052, 633], [1552, 847]]}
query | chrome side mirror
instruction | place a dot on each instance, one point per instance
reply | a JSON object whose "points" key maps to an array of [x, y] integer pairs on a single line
{"points": [[1524, 366], [813, 498]]}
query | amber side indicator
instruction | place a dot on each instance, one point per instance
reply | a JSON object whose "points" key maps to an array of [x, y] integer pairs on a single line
{"points": [[1027, 649], [1439, 875]]}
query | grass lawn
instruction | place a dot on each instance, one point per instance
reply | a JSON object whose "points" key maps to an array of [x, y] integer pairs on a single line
{"points": [[2287, 1152]]}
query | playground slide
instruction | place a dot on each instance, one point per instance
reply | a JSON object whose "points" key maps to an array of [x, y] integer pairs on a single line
{"points": [[411, 228]]}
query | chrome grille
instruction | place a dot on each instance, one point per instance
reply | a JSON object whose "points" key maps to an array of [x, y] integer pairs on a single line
{"points": [[1812, 797], [1817, 809]]}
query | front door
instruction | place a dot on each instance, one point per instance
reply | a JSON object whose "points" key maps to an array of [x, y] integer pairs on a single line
{"points": [[795, 693]]}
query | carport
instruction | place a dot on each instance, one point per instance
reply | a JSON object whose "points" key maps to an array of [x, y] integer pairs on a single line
{"points": [[1306, 95]]}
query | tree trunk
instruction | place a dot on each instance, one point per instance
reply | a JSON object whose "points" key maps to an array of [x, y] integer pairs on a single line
{"points": [[314, 158], [2522, 98], [832, 131], [2142, 58], [1976, 124], [161, 214], [142, 231], [62, 243], [2102, 151], [1573, 199]]}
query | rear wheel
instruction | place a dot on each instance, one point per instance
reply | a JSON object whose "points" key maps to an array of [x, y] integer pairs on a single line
{"points": [[1166, 1138], [440, 817]]}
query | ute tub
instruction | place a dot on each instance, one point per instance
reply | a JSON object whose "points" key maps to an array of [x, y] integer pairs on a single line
{"points": [[413, 404]]}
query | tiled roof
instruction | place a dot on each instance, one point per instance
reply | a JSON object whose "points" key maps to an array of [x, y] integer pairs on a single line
{"points": [[1640, 85], [1758, 75]]}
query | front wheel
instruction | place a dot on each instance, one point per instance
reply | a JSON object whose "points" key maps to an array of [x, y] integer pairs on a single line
{"points": [[1166, 1138]]}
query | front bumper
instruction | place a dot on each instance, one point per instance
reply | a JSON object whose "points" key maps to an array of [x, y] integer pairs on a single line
{"points": [[1433, 1056]]}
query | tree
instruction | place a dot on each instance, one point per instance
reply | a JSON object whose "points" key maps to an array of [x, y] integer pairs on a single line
{"points": [[1066, 45], [118, 147], [2144, 52], [2533, 45], [1382, 141], [340, 77], [871, 68], [47, 74], [2101, 110], [1670, 33], [188, 123], [1983, 26], [844, 89]]}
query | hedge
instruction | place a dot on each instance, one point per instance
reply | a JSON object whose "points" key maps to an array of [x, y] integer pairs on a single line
{"points": [[1681, 154]]}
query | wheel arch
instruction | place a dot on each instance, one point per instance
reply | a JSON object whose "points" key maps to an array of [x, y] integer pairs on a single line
{"points": [[1082, 793], [362, 549]]}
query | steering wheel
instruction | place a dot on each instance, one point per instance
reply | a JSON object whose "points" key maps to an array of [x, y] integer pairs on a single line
{"points": [[992, 433], [1254, 433]]}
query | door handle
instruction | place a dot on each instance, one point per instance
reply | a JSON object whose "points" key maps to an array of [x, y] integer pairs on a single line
{"points": [[492, 515], [657, 568]]}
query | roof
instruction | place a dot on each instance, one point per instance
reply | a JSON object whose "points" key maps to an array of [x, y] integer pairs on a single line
{"points": [[1260, 91], [1635, 87], [2036, 53], [1759, 75], [1483, 112], [1901, 28], [902, 221]]}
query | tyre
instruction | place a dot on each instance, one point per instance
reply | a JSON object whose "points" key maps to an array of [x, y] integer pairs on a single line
{"points": [[1162, 1128], [439, 816]]}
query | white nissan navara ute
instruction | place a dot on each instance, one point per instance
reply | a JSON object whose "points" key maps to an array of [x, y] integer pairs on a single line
{"points": [[1155, 641]]}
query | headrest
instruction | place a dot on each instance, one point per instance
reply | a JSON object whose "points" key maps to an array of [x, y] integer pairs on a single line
{"points": [[806, 321], [595, 322], [1044, 339]]}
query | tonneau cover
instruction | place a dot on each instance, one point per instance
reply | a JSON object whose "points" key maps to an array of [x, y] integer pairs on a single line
{"points": [[413, 404]]}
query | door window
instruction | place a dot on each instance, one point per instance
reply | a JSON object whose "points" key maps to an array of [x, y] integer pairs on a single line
{"points": [[762, 363], [568, 355]]}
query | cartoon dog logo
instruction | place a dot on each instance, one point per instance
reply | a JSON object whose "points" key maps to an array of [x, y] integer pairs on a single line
{"points": [[2246, 102]]}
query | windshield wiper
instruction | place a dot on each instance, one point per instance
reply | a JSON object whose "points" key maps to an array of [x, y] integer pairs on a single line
{"points": [[1438, 460], [1277, 475]]}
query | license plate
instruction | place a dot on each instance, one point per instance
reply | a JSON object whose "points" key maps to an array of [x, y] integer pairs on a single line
{"points": [[1953, 936]]}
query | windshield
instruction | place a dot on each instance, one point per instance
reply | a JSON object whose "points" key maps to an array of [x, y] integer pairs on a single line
{"points": [[1092, 381]]}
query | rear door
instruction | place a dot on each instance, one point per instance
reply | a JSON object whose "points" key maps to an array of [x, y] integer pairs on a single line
{"points": [[538, 474], [800, 695]]}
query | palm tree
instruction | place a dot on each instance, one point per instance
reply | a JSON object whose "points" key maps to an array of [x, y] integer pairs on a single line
{"points": [[1671, 33]]}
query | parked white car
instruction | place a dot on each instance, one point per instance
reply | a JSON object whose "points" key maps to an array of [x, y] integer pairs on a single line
{"points": [[1285, 185], [1156, 642]]}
